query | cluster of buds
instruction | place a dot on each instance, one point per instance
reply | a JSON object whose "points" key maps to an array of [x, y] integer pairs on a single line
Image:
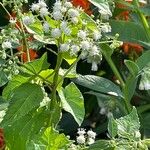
{"points": [[85, 137]]}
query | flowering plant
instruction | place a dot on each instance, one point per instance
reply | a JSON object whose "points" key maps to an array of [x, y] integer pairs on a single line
{"points": [[41, 50]]}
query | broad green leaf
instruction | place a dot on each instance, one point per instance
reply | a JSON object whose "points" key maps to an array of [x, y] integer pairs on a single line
{"points": [[112, 127], [133, 67], [13, 84], [107, 50], [128, 31], [69, 59], [23, 100], [128, 126], [3, 78], [143, 60], [73, 102], [130, 87], [102, 145], [36, 66], [54, 140], [102, 5], [25, 129], [99, 84]]}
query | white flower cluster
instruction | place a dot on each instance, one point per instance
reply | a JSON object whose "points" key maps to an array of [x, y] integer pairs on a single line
{"points": [[40, 7], [145, 76], [85, 137], [70, 29], [46, 98], [27, 20]]}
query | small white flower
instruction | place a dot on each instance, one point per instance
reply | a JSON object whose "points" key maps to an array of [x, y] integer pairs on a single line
{"points": [[94, 66], [103, 111], [109, 114], [91, 134], [63, 9], [46, 27], [56, 33], [57, 15], [42, 4], [63, 25], [82, 34], [85, 45], [16, 72], [91, 141], [73, 13], [97, 35], [64, 47], [68, 4], [44, 12], [10, 62], [74, 49], [81, 131], [6, 45], [106, 28], [35, 7], [45, 101], [94, 51], [137, 134], [67, 31], [27, 20], [81, 139], [4, 55], [57, 6], [12, 20], [74, 20]]}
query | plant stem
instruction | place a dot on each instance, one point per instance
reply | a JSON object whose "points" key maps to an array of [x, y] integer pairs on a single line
{"points": [[117, 74], [54, 89], [143, 19]]}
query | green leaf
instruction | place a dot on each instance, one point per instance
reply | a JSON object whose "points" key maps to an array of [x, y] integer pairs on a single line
{"points": [[98, 84], [102, 145], [24, 99], [102, 5], [106, 49], [128, 126], [133, 67], [36, 66], [128, 31], [143, 60], [112, 127], [3, 78], [13, 84], [73, 102], [69, 59]]}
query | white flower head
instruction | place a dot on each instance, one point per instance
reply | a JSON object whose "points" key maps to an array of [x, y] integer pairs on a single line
{"points": [[6, 45], [56, 33], [63, 9], [90, 141], [63, 25], [85, 45], [81, 139], [57, 6], [74, 49], [46, 27], [106, 28], [44, 12], [12, 20], [27, 20], [67, 31], [81, 131], [91, 134], [68, 4], [74, 20], [73, 13], [64, 47], [35, 7], [57, 15], [42, 4], [97, 35], [94, 66], [82, 34], [94, 51]]}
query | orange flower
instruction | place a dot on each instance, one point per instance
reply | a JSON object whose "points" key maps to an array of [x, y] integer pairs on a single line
{"points": [[85, 4], [129, 47], [23, 55]]}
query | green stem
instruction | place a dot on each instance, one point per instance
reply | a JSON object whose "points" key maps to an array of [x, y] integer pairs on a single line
{"points": [[66, 73], [54, 89], [143, 19], [117, 74]]}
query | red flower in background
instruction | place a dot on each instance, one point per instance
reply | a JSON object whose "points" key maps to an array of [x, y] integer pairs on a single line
{"points": [[85, 4], [130, 47]]}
